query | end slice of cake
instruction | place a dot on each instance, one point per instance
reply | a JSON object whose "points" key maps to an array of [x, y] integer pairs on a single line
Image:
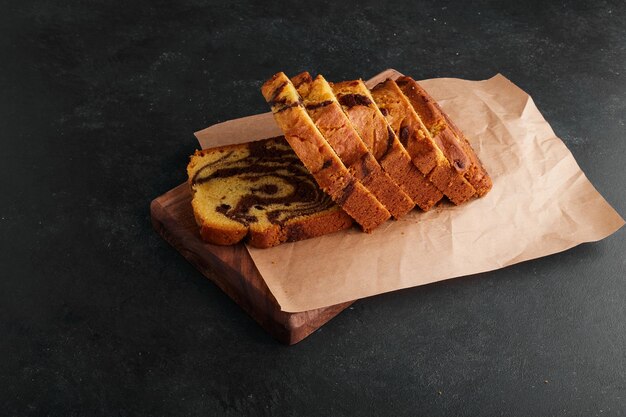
{"points": [[373, 129], [317, 155], [259, 191], [450, 138], [424, 151], [326, 112]]}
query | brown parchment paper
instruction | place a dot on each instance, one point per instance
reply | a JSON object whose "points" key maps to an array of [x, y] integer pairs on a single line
{"points": [[541, 203]]}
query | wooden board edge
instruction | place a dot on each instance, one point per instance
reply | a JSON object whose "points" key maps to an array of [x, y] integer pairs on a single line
{"points": [[287, 328]]}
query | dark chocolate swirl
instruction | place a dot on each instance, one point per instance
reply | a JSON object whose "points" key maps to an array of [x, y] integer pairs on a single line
{"points": [[351, 100], [271, 184]]}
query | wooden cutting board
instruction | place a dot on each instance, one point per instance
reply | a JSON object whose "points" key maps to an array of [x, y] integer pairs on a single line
{"points": [[231, 268]]}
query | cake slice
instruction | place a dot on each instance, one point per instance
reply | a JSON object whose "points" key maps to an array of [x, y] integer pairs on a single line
{"points": [[424, 152], [260, 191], [358, 104], [324, 109], [317, 155], [450, 138]]}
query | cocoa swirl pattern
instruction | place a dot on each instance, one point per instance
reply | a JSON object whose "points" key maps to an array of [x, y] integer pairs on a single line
{"points": [[351, 100], [271, 183]]}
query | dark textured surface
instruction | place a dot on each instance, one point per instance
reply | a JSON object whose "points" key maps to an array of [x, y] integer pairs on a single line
{"points": [[99, 316]]}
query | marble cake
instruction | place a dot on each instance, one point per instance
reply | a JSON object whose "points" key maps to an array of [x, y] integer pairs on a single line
{"points": [[318, 157], [326, 112], [259, 191], [348, 155], [372, 127], [450, 138], [418, 142]]}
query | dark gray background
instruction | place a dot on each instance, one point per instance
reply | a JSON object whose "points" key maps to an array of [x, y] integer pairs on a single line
{"points": [[99, 316]]}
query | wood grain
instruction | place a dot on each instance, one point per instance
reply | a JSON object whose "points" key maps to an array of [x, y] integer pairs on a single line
{"points": [[231, 268]]}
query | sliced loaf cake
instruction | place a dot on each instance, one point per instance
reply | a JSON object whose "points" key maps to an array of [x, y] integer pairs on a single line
{"points": [[424, 151], [373, 129], [318, 157], [324, 109], [449, 138], [260, 192]]}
